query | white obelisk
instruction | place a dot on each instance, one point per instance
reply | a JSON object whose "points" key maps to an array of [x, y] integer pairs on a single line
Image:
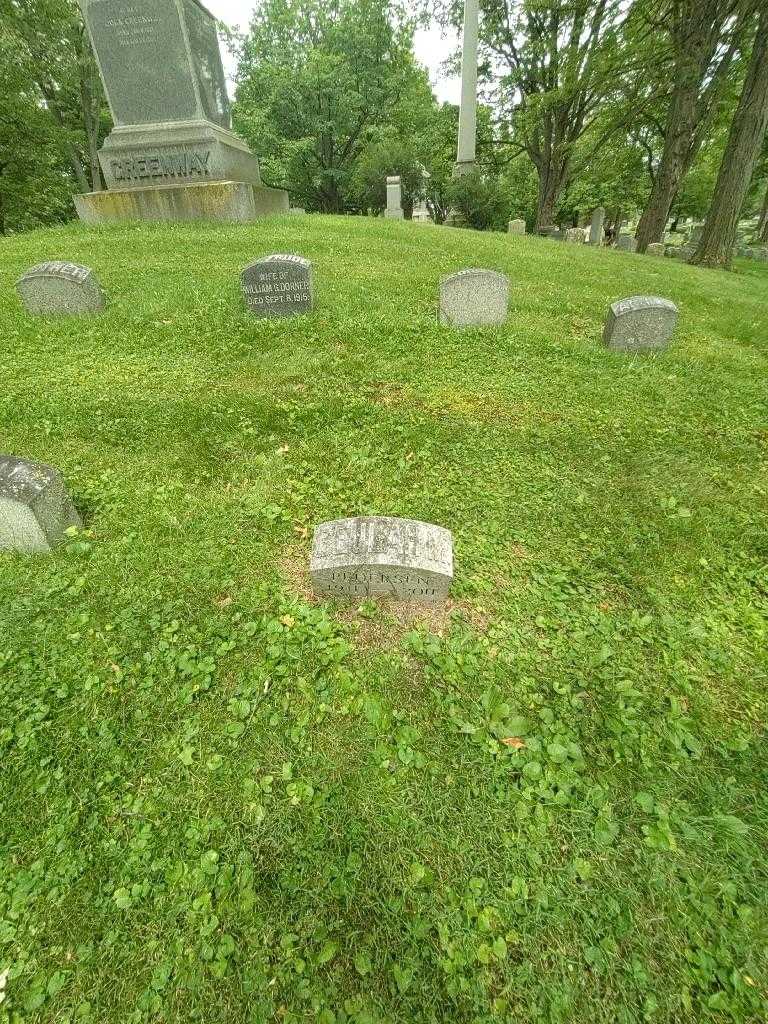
{"points": [[465, 156]]}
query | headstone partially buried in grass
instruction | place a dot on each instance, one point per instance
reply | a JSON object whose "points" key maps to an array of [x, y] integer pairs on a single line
{"points": [[35, 509], [59, 288], [639, 323], [278, 286], [380, 556], [474, 298]]}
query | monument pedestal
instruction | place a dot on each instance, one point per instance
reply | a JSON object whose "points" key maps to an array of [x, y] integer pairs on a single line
{"points": [[215, 200]]}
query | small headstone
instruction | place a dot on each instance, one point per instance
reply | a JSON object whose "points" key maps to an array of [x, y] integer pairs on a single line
{"points": [[516, 227], [379, 556], [655, 249], [298, 210], [640, 322], [394, 199], [35, 509], [59, 288], [626, 243], [278, 285], [696, 233], [474, 298], [574, 235], [596, 226]]}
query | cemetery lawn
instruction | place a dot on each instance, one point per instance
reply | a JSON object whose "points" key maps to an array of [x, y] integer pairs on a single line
{"points": [[223, 801]]}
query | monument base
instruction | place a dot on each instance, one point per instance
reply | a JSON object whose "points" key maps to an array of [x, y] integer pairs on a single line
{"points": [[216, 200]]}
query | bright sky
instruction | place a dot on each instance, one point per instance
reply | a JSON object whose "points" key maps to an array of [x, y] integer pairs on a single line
{"points": [[431, 48]]}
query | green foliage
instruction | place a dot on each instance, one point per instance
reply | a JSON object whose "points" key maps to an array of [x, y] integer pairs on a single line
{"points": [[380, 159], [482, 202], [317, 81]]}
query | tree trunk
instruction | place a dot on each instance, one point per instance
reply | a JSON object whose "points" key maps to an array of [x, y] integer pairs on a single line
{"points": [[675, 159], [91, 126], [741, 151], [762, 228], [550, 187]]}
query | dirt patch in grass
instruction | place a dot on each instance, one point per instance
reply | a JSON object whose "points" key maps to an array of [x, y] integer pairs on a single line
{"points": [[385, 622]]}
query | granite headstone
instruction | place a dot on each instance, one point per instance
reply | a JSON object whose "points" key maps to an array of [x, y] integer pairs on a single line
{"points": [[60, 288], [626, 243], [380, 556], [278, 286], [640, 322], [474, 298], [35, 509], [394, 208], [596, 226], [516, 227], [655, 249]]}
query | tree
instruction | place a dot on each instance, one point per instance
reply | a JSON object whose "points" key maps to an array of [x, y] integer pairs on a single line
{"points": [[52, 49], [317, 80], [563, 62], [35, 182], [745, 138], [702, 38], [389, 156]]}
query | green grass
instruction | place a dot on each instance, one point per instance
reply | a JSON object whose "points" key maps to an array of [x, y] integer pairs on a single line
{"points": [[223, 802]]}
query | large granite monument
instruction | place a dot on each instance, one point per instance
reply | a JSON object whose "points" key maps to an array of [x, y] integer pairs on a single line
{"points": [[171, 154]]}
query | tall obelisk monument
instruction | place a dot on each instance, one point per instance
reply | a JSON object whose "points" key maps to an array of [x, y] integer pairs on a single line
{"points": [[465, 156]]}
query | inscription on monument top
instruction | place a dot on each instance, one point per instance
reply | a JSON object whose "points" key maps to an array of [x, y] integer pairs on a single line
{"points": [[278, 285], [141, 41], [380, 556]]}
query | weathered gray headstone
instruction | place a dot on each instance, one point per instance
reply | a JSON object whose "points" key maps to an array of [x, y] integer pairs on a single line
{"points": [[516, 227], [163, 77], [394, 208], [640, 322], [596, 226], [35, 509], [60, 288], [278, 285], [474, 298], [575, 235], [626, 243], [696, 232], [379, 556], [655, 249]]}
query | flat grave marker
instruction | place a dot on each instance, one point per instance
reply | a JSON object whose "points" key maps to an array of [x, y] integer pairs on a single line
{"points": [[381, 556], [278, 286]]}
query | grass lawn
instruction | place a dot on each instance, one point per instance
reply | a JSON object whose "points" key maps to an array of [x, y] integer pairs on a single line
{"points": [[225, 802]]}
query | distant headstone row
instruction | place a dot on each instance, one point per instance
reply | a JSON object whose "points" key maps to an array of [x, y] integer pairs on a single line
{"points": [[282, 285]]}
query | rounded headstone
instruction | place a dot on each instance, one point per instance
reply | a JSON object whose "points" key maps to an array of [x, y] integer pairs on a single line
{"points": [[380, 556], [474, 298], [516, 227], [640, 322], [278, 286], [655, 249], [626, 243], [35, 508], [60, 288]]}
